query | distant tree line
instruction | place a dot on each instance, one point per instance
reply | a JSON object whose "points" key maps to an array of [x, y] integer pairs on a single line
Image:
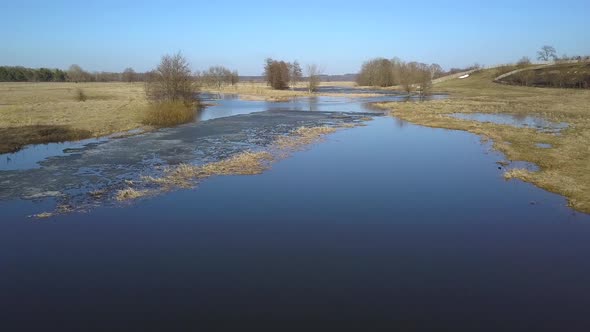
{"points": [[74, 74], [383, 72], [22, 74], [218, 76], [281, 75]]}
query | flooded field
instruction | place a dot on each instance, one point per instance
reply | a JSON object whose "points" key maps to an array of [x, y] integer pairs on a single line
{"points": [[521, 121], [387, 222]]}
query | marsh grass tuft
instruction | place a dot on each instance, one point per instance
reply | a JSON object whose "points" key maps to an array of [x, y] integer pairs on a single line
{"points": [[183, 175], [164, 114], [43, 215], [80, 95], [129, 194], [302, 136], [245, 163]]}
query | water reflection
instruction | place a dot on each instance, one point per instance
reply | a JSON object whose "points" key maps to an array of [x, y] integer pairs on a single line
{"points": [[400, 123]]}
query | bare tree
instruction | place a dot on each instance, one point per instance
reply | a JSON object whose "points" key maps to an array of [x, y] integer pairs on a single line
{"points": [[435, 70], [407, 76], [171, 81], [217, 76], [234, 77], [547, 53], [377, 72], [129, 75], [295, 73], [523, 62], [277, 74], [424, 78], [77, 74], [313, 77]]}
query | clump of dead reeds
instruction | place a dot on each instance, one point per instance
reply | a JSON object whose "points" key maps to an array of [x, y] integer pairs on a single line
{"points": [[80, 95], [302, 136], [163, 114], [129, 194], [183, 175]]}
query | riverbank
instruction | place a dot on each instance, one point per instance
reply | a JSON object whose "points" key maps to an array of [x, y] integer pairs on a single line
{"points": [[260, 91], [563, 157], [33, 113], [38, 113], [158, 161]]}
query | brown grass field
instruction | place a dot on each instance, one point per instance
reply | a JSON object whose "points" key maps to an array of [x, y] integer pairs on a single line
{"points": [[261, 91], [564, 168], [33, 113]]}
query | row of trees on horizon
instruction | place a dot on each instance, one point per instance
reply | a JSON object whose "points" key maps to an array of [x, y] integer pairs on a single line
{"points": [[215, 75]]}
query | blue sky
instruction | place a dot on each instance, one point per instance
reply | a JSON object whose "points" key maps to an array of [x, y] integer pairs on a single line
{"points": [[339, 35]]}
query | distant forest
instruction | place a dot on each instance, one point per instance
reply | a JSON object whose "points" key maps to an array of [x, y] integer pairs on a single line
{"points": [[74, 74], [22, 74]]}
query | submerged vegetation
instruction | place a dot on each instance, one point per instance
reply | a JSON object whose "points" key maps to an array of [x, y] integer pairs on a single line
{"points": [[184, 175], [564, 167], [244, 163]]}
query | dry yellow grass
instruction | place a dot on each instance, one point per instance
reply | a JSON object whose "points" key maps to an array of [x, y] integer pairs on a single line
{"points": [[302, 136], [183, 175], [43, 215], [186, 176], [261, 91], [109, 108], [564, 168], [166, 114], [32, 113], [257, 91], [246, 163], [130, 193]]}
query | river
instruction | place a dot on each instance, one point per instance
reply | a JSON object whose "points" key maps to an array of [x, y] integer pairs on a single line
{"points": [[388, 224]]}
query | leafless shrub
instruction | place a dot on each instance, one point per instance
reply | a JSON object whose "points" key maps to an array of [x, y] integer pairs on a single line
{"points": [[277, 74], [168, 113], [77, 74], [129, 75], [172, 81], [80, 95], [313, 77], [295, 73]]}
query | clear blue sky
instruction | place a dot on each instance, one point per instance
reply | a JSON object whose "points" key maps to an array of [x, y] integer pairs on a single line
{"points": [[340, 35]]}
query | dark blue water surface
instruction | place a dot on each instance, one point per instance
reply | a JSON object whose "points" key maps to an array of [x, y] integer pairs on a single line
{"points": [[386, 226]]}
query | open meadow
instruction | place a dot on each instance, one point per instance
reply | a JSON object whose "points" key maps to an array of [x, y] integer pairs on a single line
{"points": [[52, 112]]}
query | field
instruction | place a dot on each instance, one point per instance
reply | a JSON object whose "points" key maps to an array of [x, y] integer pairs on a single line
{"points": [[34, 113], [261, 91], [48, 112], [564, 167]]}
